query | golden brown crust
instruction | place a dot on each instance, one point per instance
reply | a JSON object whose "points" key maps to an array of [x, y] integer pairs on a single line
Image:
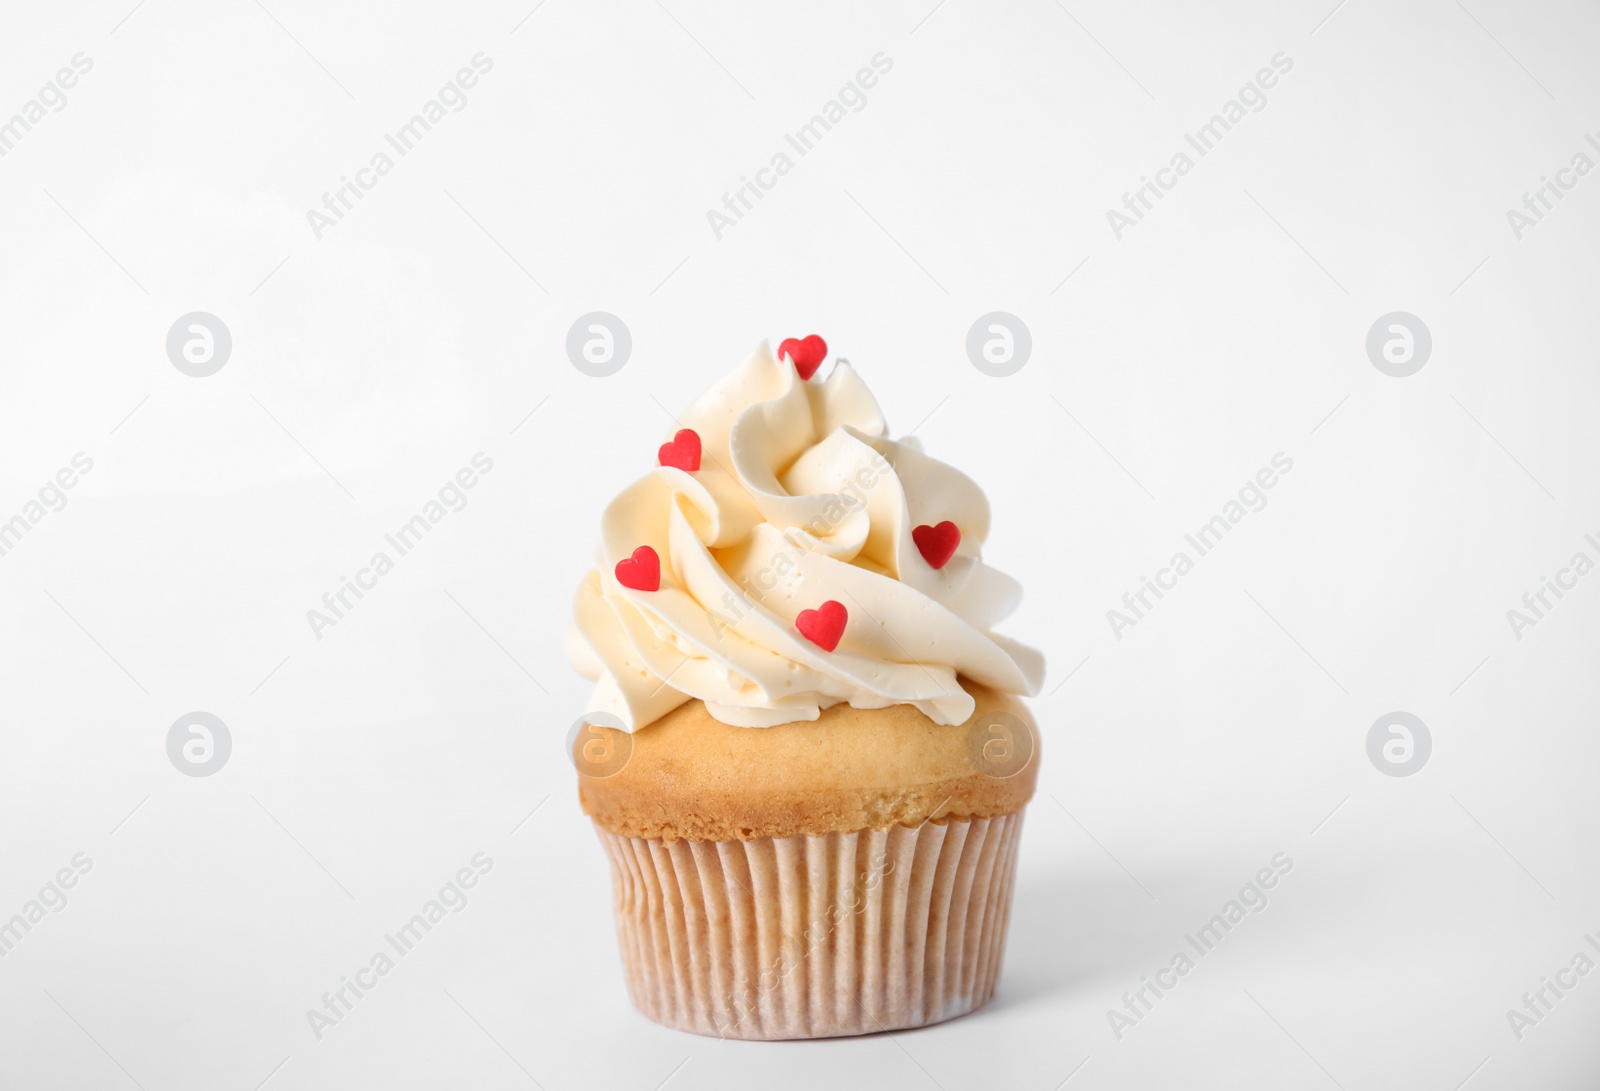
{"points": [[692, 777]]}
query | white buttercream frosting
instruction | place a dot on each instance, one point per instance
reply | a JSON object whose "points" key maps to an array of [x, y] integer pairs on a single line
{"points": [[800, 498]]}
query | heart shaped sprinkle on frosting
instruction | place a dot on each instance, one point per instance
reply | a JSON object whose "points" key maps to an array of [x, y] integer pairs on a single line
{"points": [[937, 544], [824, 625], [642, 571], [683, 452], [805, 352]]}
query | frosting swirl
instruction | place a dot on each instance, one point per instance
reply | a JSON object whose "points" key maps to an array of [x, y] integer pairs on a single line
{"points": [[800, 498]]}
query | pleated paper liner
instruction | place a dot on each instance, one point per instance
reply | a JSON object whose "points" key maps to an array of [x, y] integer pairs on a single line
{"points": [[813, 937]]}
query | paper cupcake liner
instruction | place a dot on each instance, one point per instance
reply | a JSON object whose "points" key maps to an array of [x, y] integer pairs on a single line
{"points": [[812, 937]]}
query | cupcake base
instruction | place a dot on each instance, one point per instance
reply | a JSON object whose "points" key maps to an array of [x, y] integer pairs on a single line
{"points": [[815, 937]]}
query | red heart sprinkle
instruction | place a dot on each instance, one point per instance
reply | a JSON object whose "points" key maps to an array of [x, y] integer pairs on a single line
{"points": [[683, 452], [642, 571], [937, 544], [806, 353], [824, 625]]}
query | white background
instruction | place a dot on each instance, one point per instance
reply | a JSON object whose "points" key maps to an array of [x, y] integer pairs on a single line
{"points": [[368, 366]]}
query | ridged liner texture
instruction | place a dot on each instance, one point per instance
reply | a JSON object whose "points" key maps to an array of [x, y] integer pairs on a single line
{"points": [[814, 937]]}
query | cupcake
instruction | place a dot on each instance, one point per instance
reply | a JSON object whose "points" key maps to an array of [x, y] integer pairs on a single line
{"points": [[805, 755]]}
